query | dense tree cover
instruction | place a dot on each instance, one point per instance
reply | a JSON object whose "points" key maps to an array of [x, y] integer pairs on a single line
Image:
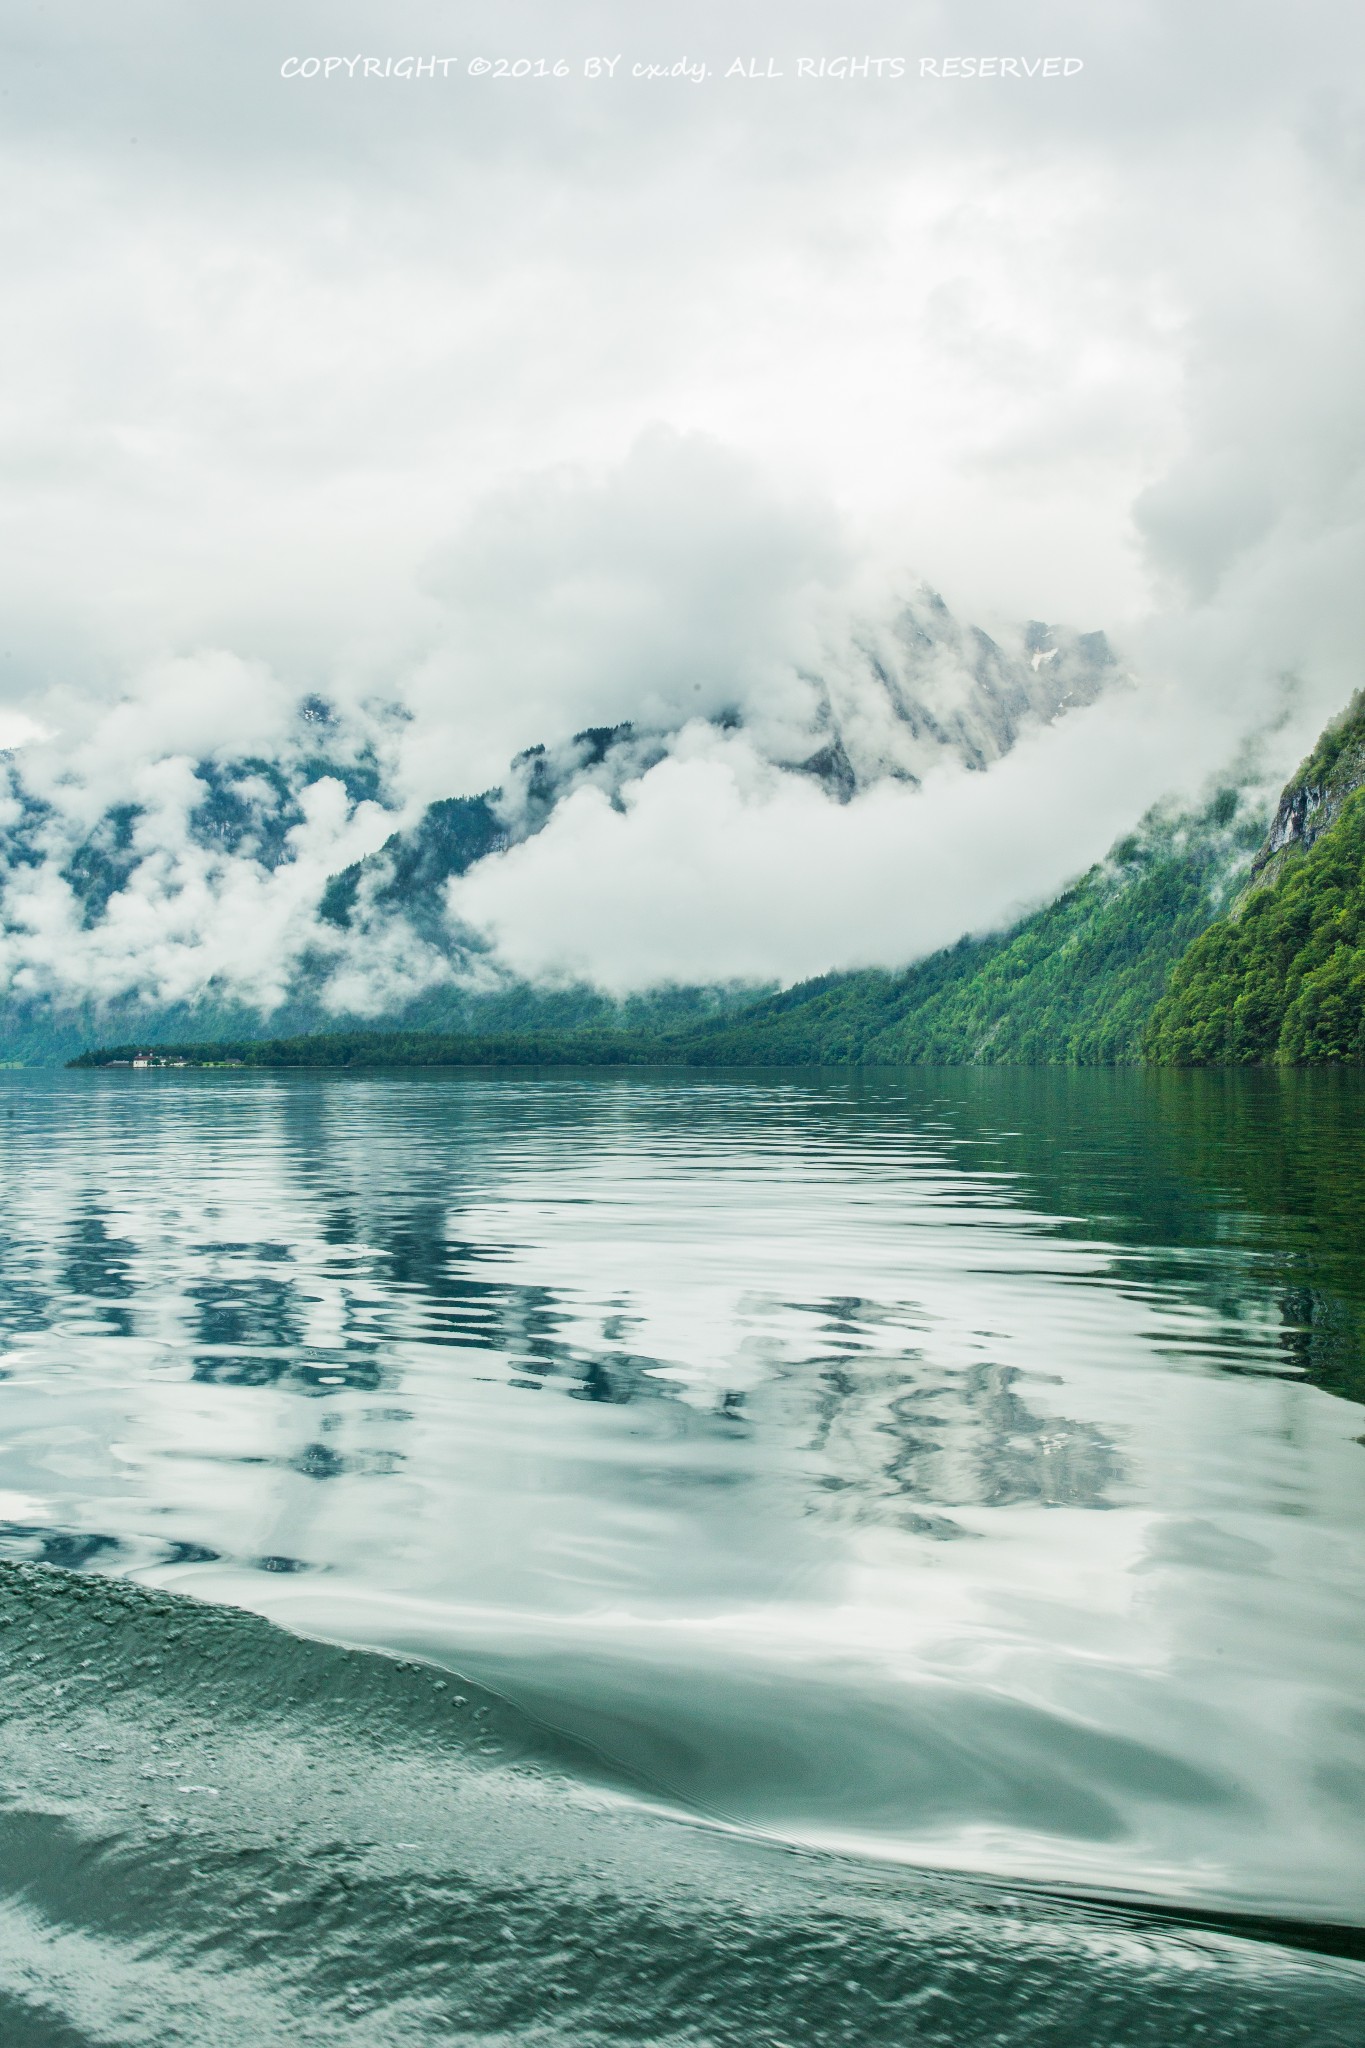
{"points": [[1283, 978], [394, 1049], [38, 1034], [1072, 985], [1337, 762]]}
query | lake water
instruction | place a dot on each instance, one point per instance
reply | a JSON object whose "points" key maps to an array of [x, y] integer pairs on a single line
{"points": [[858, 1558]]}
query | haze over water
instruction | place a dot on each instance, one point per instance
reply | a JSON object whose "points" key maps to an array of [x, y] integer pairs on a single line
{"points": [[956, 1471]]}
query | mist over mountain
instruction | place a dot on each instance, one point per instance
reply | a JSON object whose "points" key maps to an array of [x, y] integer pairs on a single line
{"points": [[293, 878], [1076, 983]]}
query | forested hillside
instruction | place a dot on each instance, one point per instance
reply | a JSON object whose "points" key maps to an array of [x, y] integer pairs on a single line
{"points": [[1282, 977], [1074, 984]]}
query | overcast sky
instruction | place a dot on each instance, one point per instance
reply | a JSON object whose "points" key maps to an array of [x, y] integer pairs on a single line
{"points": [[332, 375]]}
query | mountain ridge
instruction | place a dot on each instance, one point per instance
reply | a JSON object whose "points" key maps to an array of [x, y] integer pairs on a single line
{"points": [[1073, 984], [294, 887]]}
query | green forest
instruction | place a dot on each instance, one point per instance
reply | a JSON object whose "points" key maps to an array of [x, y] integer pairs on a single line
{"points": [[1072, 985], [1281, 979], [391, 1049], [1284, 979], [1180, 949]]}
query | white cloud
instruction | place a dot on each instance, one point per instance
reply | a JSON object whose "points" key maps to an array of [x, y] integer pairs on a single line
{"points": [[676, 583], [536, 409], [189, 910], [17, 729], [269, 344], [719, 868]]}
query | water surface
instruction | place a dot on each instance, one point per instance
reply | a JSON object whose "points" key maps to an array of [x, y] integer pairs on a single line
{"points": [[956, 1472]]}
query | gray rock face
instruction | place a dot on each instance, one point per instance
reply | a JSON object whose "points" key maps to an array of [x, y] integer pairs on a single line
{"points": [[925, 689], [1313, 800]]}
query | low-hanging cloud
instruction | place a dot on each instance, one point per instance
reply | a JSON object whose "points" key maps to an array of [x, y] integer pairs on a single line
{"points": [[196, 899], [653, 406], [722, 621], [715, 868]]}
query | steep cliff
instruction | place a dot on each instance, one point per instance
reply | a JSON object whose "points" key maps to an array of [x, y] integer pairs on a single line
{"points": [[1319, 792], [1281, 978]]}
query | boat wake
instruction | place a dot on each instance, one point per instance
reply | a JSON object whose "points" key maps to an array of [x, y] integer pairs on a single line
{"points": [[215, 1831]]}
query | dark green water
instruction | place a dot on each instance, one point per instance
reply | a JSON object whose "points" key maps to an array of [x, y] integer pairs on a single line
{"points": [[857, 1560]]}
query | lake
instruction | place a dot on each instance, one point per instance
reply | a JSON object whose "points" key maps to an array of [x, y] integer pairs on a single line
{"points": [[795, 1558]]}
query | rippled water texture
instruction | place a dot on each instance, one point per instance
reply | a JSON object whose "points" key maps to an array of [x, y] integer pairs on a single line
{"points": [[811, 1484]]}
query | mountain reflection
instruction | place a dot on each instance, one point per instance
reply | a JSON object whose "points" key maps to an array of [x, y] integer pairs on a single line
{"points": [[846, 1297], [913, 1433]]}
